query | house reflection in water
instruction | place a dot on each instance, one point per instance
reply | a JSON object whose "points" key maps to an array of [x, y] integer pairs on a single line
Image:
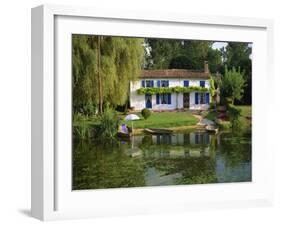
{"points": [[183, 145]]}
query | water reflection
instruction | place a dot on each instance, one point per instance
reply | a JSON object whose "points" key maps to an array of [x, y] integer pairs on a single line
{"points": [[150, 160]]}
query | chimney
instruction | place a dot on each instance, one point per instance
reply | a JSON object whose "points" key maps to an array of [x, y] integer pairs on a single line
{"points": [[206, 67]]}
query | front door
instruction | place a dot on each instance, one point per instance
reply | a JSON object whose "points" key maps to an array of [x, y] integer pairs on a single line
{"points": [[186, 100], [148, 101]]}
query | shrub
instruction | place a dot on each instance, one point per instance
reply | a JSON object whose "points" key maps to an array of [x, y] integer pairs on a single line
{"points": [[212, 105], [108, 123], [145, 113], [234, 115], [223, 124], [82, 131]]}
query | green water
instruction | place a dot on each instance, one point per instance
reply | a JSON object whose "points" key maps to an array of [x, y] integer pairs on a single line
{"points": [[151, 160]]}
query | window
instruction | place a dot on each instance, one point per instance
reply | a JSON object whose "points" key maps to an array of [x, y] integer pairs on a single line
{"points": [[202, 83], [164, 83], [186, 83], [149, 83], [202, 98], [165, 98]]}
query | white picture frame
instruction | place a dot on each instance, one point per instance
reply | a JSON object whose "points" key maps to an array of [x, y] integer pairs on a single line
{"points": [[52, 197]]}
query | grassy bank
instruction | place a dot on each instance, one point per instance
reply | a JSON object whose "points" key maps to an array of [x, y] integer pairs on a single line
{"points": [[245, 117], [165, 120]]}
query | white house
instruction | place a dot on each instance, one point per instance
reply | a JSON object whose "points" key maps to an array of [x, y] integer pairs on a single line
{"points": [[195, 96]]}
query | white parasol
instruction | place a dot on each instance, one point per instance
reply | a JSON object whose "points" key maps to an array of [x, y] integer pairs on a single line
{"points": [[132, 117]]}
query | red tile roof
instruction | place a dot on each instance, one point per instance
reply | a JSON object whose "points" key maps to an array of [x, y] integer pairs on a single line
{"points": [[175, 73]]}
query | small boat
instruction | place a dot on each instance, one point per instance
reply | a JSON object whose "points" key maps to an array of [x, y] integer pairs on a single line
{"points": [[158, 131], [211, 128], [124, 135]]}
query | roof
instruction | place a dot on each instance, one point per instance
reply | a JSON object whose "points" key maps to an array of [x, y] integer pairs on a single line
{"points": [[175, 73]]}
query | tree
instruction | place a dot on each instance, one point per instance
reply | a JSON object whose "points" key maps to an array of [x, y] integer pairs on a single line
{"points": [[181, 54], [214, 58], [83, 75], [162, 51], [237, 54], [196, 52], [232, 84], [181, 62], [103, 66]]}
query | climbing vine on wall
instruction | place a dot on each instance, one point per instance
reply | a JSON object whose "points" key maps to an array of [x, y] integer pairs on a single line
{"points": [[176, 89]]}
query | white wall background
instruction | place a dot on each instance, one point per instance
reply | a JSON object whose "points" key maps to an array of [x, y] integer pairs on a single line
{"points": [[15, 112]]}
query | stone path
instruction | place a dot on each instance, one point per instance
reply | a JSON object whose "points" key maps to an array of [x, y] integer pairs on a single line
{"points": [[203, 121]]}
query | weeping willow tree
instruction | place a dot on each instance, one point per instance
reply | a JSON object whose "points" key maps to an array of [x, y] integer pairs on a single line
{"points": [[83, 75], [103, 66]]}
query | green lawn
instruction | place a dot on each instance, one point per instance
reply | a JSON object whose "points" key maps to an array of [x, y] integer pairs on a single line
{"points": [[165, 120]]}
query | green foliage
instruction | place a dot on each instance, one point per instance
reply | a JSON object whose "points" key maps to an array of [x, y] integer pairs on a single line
{"points": [[223, 124], [237, 54], [212, 105], [121, 62], [161, 52], [81, 128], [181, 54], [108, 124], [181, 62], [211, 115], [177, 89], [212, 87], [83, 71], [196, 52], [145, 113], [234, 114], [232, 84], [214, 58]]}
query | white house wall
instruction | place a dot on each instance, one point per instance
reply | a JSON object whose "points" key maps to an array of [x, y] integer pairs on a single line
{"points": [[138, 101]]}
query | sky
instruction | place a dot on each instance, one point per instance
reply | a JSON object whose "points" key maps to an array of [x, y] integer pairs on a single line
{"points": [[218, 45]]}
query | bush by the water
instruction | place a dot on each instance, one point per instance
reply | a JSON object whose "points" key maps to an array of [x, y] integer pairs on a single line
{"points": [[234, 115], [223, 124], [145, 113], [108, 123], [81, 128]]}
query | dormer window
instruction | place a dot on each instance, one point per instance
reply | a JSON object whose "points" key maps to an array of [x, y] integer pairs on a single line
{"points": [[202, 83]]}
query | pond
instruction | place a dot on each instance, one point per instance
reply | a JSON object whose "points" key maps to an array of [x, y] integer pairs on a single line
{"points": [[193, 157]]}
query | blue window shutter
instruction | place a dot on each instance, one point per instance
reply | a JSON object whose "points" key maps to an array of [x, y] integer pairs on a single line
{"points": [[207, 98], [168, 83], [196, 98], [152, 83], [157, 98], [186, 83], [169, 98], [142, 83], [202, 83], [158, 83]]}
